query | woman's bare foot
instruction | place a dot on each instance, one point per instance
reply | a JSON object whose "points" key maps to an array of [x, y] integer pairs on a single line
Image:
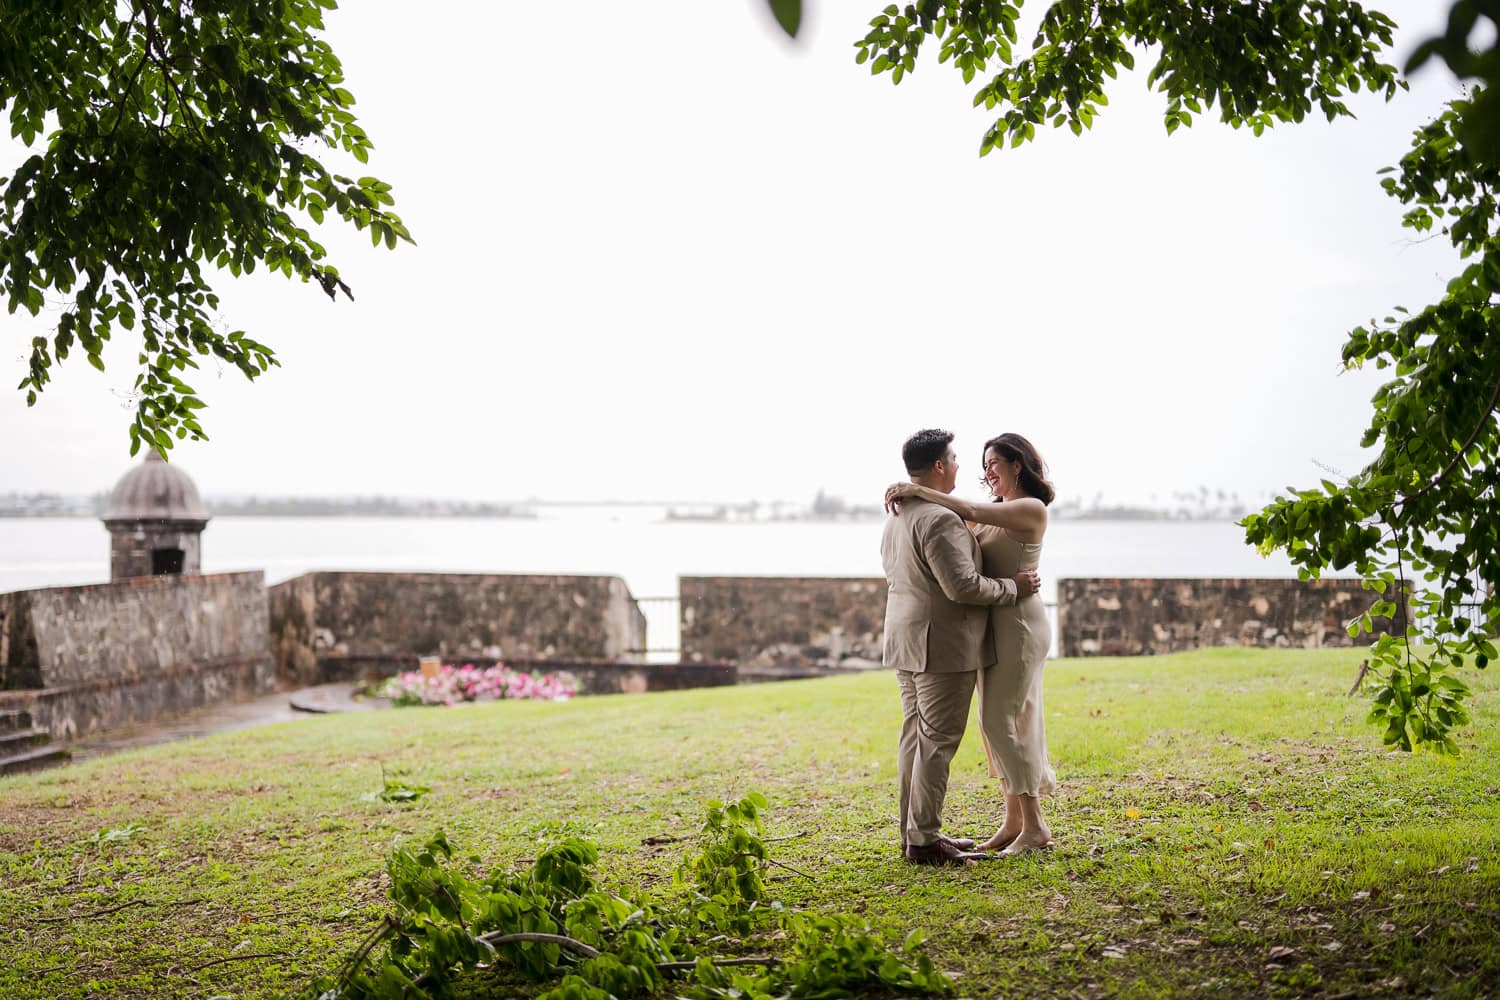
{"points": [[1001, 840], [1028, 841]]}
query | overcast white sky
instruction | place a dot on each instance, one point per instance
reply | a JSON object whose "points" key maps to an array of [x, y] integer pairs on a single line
{"points": [[667, 253]]}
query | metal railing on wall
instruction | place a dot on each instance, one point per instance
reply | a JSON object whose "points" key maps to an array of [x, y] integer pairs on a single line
{"points": [[663, 629]]}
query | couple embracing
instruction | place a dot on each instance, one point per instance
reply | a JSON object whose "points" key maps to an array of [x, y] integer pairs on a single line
{"points": [[962, 613]]}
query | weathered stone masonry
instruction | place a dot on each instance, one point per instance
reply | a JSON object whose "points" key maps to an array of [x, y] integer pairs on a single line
{"points": [[81, 659], [783, 621], [797, 622], [1134, 617], [335, 626]]}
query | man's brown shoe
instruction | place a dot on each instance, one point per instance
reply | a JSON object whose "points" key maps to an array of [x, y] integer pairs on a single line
{"points": [[962, 843], [940, 853]]}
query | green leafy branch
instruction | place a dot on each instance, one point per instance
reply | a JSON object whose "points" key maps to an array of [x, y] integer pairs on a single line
{"points": [[179, 147], [1421, 523], [556, 924], [1260, 64], [1480, 129]]}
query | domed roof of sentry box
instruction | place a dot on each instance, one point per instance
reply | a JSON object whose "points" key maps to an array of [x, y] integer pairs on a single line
{"points": [[155, 491]]}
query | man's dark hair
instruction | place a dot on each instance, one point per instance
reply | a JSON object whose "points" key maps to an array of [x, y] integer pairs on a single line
{"points": [[924, 448]]}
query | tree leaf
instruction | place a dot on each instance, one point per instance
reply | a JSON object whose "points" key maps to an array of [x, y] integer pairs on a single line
{"points": [[788, 14]]}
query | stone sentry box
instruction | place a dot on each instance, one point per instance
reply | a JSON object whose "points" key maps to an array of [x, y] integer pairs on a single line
{"points": [[1135, 617], [343, 626], [155, 520]]}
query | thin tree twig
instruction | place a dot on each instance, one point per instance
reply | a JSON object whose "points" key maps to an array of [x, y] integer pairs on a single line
{"points": [[718, 963], [779, 864], [794, 871], [589, 951], [1359, 678], [163, 63], [496, 938], [46, 970], [125, 96], [114, 909], [237, 958], [349, 968], [458, 907], [572, 944], [665, 838]]}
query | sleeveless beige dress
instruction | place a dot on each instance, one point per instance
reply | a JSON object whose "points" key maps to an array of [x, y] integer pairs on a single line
{"points": [[1010, 691]]}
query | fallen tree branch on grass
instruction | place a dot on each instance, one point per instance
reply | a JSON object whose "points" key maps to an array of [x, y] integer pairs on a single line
{"points": [[555, 923]]}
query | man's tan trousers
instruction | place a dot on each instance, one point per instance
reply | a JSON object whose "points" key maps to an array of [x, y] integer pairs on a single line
{"points": [[935, 711]]}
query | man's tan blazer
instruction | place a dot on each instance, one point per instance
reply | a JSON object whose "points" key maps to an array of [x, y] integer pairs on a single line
{"points": [[937, 603]]}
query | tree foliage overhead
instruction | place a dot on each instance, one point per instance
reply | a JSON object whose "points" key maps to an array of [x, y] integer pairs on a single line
{"points": [[1423, 518], [1421, 523], [1479, 126], [172, 139], [1259, 63]]}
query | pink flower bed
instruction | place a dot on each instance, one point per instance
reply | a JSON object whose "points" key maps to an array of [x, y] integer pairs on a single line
{"points": [[454, 685]]}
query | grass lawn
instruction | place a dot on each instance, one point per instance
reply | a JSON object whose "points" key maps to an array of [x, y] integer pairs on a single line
{"points": [[1228, 826]]}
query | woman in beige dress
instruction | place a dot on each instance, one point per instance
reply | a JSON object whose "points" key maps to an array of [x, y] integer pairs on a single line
{"points": [[1011, 718]]}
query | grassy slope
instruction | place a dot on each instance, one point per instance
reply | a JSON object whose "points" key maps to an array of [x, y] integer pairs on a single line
{"points": [[1269, 817]]}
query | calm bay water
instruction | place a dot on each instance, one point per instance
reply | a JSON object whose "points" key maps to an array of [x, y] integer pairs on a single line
{"points": [[633, 543]]}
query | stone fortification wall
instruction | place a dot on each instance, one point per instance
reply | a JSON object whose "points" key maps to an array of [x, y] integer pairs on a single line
{"points": [[1105, 617], [790, 623], [294, 643], [88, 658], [783, 621], [333, 626]]}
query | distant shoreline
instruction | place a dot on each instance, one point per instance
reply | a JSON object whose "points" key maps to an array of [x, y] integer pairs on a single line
{"points": [[824, 509], [671, 517]]}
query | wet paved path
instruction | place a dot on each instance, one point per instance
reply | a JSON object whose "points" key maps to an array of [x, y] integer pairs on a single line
{"points": [[276, 707]]}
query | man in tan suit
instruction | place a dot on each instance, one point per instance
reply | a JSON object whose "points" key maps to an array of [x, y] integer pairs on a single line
{"points": [[935, 616]]}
